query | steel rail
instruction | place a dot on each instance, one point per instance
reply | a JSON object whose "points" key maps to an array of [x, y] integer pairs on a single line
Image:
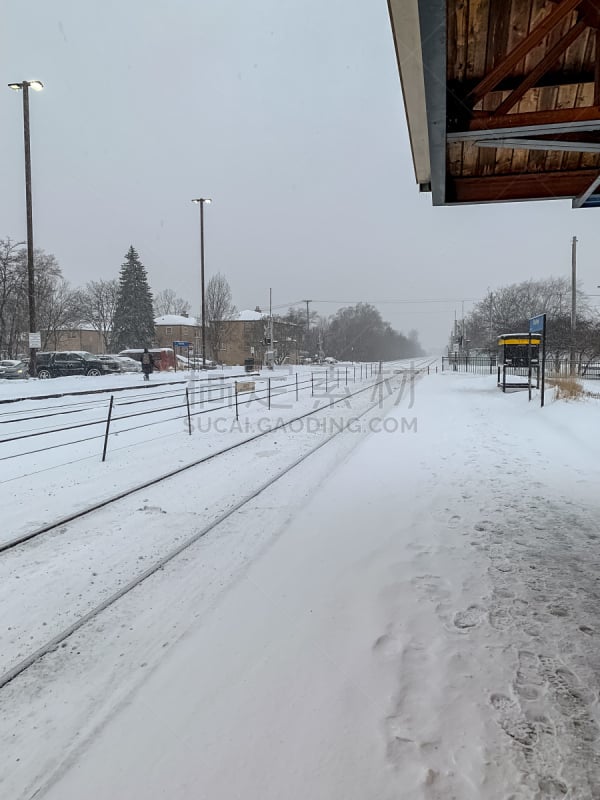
{"points": [[12, 543], [59, 638]]}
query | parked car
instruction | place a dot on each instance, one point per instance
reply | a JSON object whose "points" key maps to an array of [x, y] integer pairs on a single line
{"points": [[164, 357], [125, 363], [74, 362], [14, 368], [194, 363]]}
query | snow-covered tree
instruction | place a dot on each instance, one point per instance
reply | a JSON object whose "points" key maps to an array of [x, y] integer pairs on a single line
{"points": [[134, 314]]}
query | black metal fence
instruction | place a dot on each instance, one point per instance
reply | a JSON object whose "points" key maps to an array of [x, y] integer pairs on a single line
{"points": [[483, 365], [555, 368], [563, 368]]}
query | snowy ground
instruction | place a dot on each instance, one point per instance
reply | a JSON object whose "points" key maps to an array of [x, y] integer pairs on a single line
{"points": [[411, 613]]}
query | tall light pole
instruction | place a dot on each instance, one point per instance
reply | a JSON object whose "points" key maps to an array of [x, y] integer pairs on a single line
{"points": [[24, 87], [201, 201]]}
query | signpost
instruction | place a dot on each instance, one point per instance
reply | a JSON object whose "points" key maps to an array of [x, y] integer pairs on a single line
{"points": [[35, 340], [181, 344], [538, 325], [244, 386]]}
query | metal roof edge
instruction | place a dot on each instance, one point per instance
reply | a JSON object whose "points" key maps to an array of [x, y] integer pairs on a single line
{"points": [[404, 20], [432, 20]]}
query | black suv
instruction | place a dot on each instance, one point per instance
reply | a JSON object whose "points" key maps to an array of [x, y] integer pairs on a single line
{"points": [[55, 364]]}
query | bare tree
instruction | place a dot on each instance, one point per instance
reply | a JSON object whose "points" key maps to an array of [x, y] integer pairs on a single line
{"points": [[167, 302], [61, 309], [509, 308], [359, 333], [9, 293], [58, 306], [220, 311], [99, 302]]}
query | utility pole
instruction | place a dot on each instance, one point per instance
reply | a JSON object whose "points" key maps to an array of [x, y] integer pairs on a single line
{"points": [[270, 357], [491, 323], [573, 301], [455, 342], [307, 323]]}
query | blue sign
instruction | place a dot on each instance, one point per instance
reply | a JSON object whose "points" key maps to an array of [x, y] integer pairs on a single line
{"points": [[536, 324], [181, 344]]}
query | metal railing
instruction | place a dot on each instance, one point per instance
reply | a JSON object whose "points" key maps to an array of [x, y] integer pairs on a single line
{"points": [[482, 365], [555, 368]]}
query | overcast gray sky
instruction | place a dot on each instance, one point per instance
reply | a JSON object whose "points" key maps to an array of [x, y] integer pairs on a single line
{"points": [[289, 114]]}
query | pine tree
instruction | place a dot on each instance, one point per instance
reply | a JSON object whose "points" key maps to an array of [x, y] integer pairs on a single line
{"points": [[134, 315]]}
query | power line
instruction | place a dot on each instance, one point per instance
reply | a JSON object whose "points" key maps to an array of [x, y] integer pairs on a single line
{"points": [[395, 302], [387, 302]]}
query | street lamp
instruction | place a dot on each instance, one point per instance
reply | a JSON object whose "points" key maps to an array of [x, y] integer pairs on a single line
{"points": [[201, 201], [24, 87]]}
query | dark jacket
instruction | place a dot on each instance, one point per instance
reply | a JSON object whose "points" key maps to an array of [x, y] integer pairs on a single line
{"points": [[147, 362]]}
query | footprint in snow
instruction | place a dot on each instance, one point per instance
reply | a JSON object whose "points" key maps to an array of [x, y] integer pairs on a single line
{"points": [[388, 646], [552, 788], [512, 721], [469, 618]]}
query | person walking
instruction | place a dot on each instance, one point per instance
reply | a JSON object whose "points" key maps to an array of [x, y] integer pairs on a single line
{"points": [[147, 364]]}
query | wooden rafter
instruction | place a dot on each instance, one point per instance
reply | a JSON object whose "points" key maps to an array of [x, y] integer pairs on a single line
{"points": [[523, 186], [541, 144], [569, 119], [538, 34], [542, 68]]}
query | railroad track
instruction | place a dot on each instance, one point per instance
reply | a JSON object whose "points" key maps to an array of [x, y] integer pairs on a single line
{"points": [[60, 637], [18, 540]]}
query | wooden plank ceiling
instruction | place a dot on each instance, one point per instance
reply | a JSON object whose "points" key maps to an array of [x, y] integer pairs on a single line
{"points": [[523, 100]]}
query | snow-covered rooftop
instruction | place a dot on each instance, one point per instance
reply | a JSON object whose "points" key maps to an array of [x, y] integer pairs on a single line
{"points": [[249, 316], [175, 319]]}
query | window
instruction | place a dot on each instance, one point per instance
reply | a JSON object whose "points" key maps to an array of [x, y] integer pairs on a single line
{"points": [[72, 335], [169, 331]]}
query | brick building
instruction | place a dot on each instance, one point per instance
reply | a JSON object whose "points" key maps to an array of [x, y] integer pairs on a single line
{"points": [[176, 328], [83, 337], [246, 336]]}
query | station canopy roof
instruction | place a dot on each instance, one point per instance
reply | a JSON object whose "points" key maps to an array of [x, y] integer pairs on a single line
{"points": [[502, 98]]}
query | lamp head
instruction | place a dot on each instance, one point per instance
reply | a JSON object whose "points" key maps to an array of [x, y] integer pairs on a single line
{"points": [[37, 86]]}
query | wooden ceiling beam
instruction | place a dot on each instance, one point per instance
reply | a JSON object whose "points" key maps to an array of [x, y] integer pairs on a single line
{"points": [[534, 123], [538, 34], [525, 186], [551, 78], [542, 67], [540, 144]]}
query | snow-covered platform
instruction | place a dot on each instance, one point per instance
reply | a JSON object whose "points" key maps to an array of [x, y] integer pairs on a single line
{"points": [[410, 613]]}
